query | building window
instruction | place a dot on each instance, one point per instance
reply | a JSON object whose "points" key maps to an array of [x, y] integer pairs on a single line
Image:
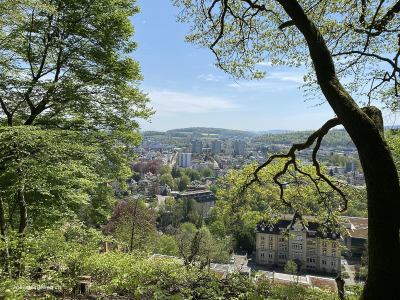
{"points": [[270, 255], [310, 242], [324, 244], [324, 262], [333, 245], [262, 254], [270, 246], [262, 237], [282, 256], [271, 238], [297, 246], [262, 245], [281, 239], [297, 255], [333, 252], [311, 260], [333, 264]]}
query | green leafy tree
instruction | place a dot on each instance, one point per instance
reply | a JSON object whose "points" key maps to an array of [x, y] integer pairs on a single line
{"points": [[291, 268], [65, 63], [189, 210], [167, 245], [206, 172], [184, 181], [45, 175], [168, 180], [198, 247], [346, 46], [165, 169], [192, 174], [48, 176]]}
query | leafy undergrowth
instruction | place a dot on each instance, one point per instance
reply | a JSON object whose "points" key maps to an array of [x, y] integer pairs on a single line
{"points": [[54, 259]]}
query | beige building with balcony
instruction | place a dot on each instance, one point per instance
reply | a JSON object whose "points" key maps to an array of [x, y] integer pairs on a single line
{"points": [[291, 240]]}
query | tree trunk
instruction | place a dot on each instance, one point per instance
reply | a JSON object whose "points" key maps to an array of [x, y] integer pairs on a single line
{"points": [[365, 127], [5, 254], [2, 218], [383, 223], [23, 224], [133, 226], [23, 212]]}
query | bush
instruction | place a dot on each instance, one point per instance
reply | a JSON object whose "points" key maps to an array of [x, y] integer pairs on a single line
{"points": [[345, 274], [56, 257]]}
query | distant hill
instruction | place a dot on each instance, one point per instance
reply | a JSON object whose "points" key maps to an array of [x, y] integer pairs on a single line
{"points": [[152, 133], [274, 131], [210, 131], [334, 138]]}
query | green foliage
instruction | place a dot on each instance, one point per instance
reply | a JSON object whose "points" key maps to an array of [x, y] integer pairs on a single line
{"points": [[166, 245], [59, 173], [169, 180], [53, 257], [165, 169], [199, 246], [57, 256], [206, 172], [163, 278], [291, 267], [175, 212], [65, 68], [239, 209], [191, 174], [66, 64], [183, 183], [393, 139]]}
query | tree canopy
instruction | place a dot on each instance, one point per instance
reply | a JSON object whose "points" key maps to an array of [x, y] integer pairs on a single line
{"points": [[66, 64], [69, 104]]}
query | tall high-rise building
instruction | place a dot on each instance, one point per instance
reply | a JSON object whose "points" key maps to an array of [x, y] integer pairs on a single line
{"points": [[185, 160], [197, 146], [239, 147], [216, 146]]}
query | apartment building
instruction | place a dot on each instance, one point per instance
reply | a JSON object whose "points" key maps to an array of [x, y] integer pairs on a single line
{"points": [[185, 160], [289, 239]]}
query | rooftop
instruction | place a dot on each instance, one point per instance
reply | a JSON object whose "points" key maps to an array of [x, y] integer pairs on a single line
{"points": [[290, 222]]}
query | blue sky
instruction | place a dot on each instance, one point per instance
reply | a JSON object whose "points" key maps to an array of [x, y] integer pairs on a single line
{"points": [[187, 90]]}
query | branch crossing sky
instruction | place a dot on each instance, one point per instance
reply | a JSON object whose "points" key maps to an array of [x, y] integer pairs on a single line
{"points": [[187, 90]]}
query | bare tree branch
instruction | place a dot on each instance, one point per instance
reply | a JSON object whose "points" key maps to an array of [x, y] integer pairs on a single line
{"points": [[315, 137]]}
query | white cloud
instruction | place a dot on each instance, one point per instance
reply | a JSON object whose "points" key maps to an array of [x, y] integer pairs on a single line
{"points": [[210, 77], [273, 81], [170, 103], [286, 76], [265, 63]]}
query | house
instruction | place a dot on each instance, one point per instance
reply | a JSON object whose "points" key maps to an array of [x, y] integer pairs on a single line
{"points": [[304, 242], [357, 236]]}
